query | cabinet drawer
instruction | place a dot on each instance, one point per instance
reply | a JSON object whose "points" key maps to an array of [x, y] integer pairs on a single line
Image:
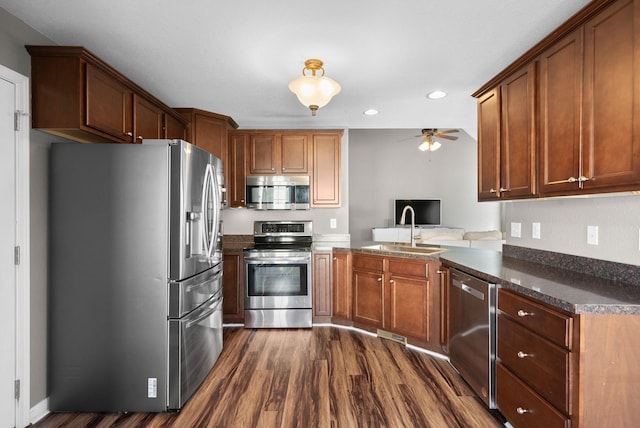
{"points": [[542, 365], [522, 407], [551, 324], [369, 263], [402, 267]]}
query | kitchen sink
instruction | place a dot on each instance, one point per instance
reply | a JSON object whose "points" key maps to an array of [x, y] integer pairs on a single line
{"points": [[406, 249]]}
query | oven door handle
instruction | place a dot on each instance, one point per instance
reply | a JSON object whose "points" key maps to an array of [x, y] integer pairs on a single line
{"points": [[276, 260]]}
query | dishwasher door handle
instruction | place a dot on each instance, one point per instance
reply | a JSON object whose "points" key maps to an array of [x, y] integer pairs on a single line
{"points": [[475, 293]]}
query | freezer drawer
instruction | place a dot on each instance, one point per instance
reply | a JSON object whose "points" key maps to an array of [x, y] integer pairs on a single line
{"points": [[187, 295], [195, 342]]}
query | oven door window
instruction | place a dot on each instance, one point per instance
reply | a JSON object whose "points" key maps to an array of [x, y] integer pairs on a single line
{"points": [[277, 280]]}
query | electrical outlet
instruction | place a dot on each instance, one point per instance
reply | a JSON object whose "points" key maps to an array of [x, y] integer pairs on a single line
{"points": [[516, 230], [535, 230], [333, 223], [592, 235]]}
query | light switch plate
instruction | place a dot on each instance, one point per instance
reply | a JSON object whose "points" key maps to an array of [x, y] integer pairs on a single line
{"points": [[535, 230], [592, 235], [516, 230]]}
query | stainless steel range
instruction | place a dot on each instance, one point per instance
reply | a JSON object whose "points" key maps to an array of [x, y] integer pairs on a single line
{"points": [[278, 275]]}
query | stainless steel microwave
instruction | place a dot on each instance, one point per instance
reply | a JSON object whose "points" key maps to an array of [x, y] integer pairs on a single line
{"points": [[278, 192]]}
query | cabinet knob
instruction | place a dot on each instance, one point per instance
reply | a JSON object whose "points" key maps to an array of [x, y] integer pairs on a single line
{"points": [[130, 134], [502, 189], [335, 258], [273, 169], [572, 179], [523, 354], [140, 137], [523, 313], [380, 279], [391, 281], [493, 191], [242, 200], [582, 179], [522, 411]]}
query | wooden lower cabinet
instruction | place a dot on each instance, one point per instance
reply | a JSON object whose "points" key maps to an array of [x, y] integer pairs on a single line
{"points": [[341, 287], [556, 369], [321, 286], [233, 287], [397, 295]]}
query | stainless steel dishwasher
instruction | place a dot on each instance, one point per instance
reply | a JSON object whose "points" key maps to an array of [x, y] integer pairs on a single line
{"points": [[472, 332]]}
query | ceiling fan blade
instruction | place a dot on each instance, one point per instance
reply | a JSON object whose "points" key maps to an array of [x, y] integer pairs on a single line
{"points": [[447, 137], [447, 131]]}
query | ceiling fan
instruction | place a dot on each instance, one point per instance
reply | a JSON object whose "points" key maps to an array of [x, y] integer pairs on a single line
{"points": [[429, 143]]}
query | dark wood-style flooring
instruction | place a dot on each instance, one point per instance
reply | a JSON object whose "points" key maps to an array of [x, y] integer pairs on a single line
{"points": [[319, 377]]}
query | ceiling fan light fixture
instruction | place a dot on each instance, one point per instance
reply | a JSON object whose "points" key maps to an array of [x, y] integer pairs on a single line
{"points": [[314, 90], [436, 95], [428, 144]]}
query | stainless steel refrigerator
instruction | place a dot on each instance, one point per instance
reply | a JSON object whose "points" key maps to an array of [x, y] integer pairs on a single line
{"points": [[135, 262]]}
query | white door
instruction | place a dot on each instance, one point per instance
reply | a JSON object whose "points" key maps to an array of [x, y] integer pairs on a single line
{"points": [[13, 233]]}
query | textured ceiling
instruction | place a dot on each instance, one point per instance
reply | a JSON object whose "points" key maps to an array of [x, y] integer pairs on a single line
{"points": [[237, 57]]}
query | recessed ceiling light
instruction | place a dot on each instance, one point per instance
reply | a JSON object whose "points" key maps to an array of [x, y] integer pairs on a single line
{"points": [[436, 95], [371, 112]]}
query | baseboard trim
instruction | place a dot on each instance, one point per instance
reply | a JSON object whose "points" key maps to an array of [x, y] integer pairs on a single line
{"points": [[39, 411]]}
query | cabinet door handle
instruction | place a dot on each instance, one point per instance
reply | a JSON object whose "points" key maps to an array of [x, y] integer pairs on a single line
{"points": [[572, 180], [523, 354], [582, 179], [522, 411], [493, 190], [130, 134], [523, 313], [502, 189]]}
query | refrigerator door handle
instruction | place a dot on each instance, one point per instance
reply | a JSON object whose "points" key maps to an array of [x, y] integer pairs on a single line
{"points": [[208, 181], [217, 203]]}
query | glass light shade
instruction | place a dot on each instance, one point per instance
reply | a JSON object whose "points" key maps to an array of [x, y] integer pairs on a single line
{"points": [[427, 144], [314, 90]]}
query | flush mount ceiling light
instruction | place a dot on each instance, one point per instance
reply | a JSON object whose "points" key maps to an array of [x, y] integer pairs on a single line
{"points": [[314, 91], [436, 95], [371, 112]]}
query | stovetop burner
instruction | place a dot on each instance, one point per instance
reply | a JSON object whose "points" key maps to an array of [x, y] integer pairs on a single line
{"points": [[283, 234]]}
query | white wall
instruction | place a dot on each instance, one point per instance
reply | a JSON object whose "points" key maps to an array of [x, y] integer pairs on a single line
{"points": [[385, 164], [564, 224], [239, 221]]}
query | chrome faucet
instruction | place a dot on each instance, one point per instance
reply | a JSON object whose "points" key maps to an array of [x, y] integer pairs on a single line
{"points": [[413, 222]]}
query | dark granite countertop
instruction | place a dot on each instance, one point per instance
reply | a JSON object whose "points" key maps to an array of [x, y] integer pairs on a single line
{"points": [[570, 290]]}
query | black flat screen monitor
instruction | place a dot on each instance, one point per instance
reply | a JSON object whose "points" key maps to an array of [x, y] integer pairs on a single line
{"points": [[428, 211]]}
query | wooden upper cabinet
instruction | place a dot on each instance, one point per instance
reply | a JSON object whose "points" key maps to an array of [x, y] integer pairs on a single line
{"points": [[326, 177], [109, 105], [489, 145], [587, 113], [561, 68], [148, 120], [518, 164], [80, 97], [611, 124], [507, 138], [279, 153], [264, 152], [174, 127], [208, 130], [238, 149]]}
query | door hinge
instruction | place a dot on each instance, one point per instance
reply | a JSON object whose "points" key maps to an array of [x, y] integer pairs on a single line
{"points": [[16, 255], [16, 119], [17, 388]]}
